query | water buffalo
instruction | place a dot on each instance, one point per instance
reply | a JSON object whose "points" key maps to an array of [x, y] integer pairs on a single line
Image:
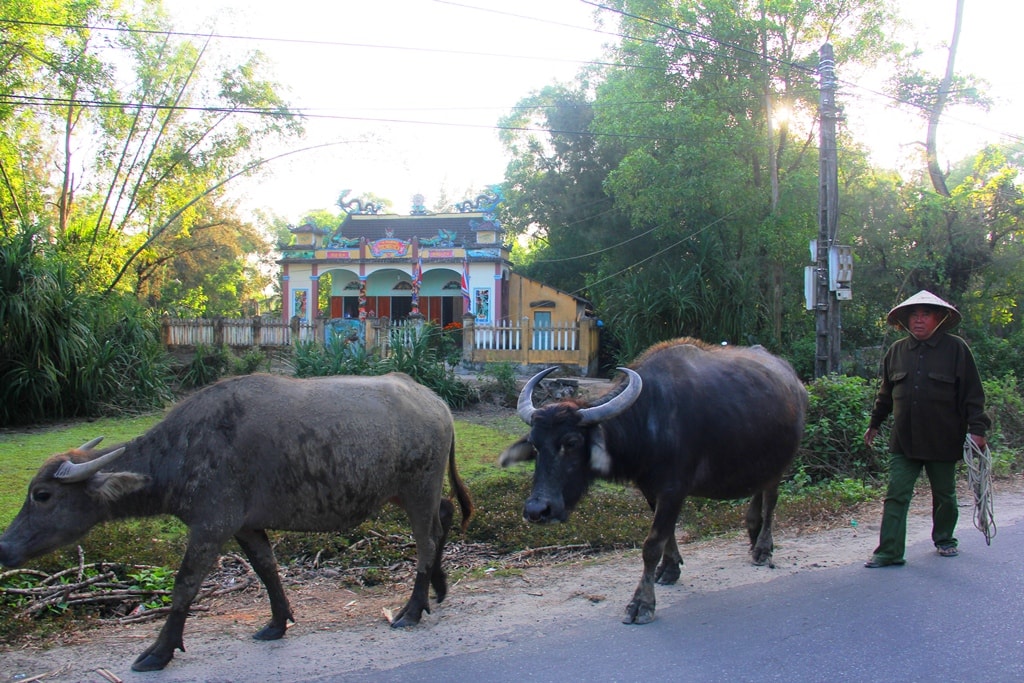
{"points": [[691, 419], [254, 453]]}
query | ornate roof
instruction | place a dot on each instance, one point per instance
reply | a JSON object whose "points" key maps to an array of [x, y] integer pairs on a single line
{"points": [[432, 230]]}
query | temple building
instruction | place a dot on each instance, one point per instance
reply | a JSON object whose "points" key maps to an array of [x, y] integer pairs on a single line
{"points": [[441, 267]]}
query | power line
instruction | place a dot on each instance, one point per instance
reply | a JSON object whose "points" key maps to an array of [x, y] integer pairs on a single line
{"points": [[659, 252], [753, 58], [39, 101], [599, 251]]}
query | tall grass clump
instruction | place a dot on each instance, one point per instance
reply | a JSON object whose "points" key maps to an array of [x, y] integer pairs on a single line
{"points": [[65, 352], [417, 353], [337, 357], [129, 372]]}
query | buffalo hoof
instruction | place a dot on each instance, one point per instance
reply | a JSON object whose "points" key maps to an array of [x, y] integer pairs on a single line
{"points": [[762, 558], [408, 617], [668, 573], [270, 632], [404, 621], [149, 661], [638, 614]]}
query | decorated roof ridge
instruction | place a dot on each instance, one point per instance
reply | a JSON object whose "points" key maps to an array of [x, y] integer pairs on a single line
{"points": [[441, 229]]}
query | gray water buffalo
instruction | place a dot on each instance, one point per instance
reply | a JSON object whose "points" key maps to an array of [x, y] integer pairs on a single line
{"points": [[691, 419], [254, 453]]}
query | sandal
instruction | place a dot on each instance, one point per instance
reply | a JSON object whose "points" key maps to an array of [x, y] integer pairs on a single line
{"points": [[947, 550]]}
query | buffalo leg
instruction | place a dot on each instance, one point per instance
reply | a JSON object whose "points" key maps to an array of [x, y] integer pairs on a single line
{"points": [[256, 546], [759, 524], [640, 609], [198, 560], [755, 517], [669, 570], [671, 561], [438, 579], [426, 531]]}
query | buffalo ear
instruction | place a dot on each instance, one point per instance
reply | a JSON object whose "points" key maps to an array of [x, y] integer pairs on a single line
{"points": [[600, 459], [521, 451], [111, 486]]}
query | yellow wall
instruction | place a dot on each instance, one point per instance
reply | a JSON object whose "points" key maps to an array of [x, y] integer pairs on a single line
{"points": [[522, 291]]}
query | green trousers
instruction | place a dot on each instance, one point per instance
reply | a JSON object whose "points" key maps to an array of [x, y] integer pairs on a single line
{"points": [[903, 474]]}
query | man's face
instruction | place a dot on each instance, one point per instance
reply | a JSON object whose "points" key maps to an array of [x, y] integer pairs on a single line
{"points": [[923, 320]]}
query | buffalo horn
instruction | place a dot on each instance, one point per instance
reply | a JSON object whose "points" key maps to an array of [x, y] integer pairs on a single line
{"points": [[525, 408], [88, 445], [70, 472], [615, 403]]}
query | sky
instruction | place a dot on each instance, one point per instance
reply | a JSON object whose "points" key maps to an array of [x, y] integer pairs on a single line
{"points": [[407, 93]]}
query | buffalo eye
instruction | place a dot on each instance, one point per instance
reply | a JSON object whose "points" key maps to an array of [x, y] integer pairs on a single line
{"points": [[41, 495], [572, 441]]}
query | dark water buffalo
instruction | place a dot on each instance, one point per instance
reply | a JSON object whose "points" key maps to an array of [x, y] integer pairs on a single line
{"points": [[254, 453], [690, 420]]}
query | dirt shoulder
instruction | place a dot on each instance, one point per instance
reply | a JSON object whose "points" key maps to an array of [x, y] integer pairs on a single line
{"points": [[340, 630]]}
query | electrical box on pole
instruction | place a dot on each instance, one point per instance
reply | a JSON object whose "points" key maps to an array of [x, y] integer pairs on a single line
{"points": [[840, 271]]}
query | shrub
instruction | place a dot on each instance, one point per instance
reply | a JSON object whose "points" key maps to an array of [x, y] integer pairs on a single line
{"points": [[1005, 406], [450, 345], [64, 353], [130, 371], [499, 380], [208, 364], [251, 361], [833, 445]]}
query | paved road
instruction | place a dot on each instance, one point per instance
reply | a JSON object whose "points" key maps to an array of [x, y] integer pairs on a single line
{"points": [[936, 619]]}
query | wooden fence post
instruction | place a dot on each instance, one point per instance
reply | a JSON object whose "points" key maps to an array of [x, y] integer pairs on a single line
{"points": [[218, 332], [370, 333], [257, 324], [587, 341]]}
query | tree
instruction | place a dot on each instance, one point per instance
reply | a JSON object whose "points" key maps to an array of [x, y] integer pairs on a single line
{"points": [[679, 143], [554, 186], [955, 232], [144, 141]]}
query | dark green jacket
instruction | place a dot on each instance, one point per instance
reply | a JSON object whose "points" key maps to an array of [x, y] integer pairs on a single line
{"points": [[933, 390]]}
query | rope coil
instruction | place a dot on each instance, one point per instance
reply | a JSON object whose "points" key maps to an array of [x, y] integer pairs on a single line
{"points": [[979, 477]]}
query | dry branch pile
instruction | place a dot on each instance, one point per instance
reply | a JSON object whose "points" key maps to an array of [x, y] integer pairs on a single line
{"points": [[110, 588], [113, 591]]}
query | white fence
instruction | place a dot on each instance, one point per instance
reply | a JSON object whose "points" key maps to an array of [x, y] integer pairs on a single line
{"points": [[510, 336], [567, 343]]}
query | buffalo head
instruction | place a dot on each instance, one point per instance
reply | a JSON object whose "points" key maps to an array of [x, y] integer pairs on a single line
{"points": [[66, 498], [567, 441]]}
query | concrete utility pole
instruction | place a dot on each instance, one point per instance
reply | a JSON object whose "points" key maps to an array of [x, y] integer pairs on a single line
{"points": [[826, 323]]}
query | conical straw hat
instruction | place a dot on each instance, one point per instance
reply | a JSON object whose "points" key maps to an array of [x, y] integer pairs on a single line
{"points": [[898, 315]]}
